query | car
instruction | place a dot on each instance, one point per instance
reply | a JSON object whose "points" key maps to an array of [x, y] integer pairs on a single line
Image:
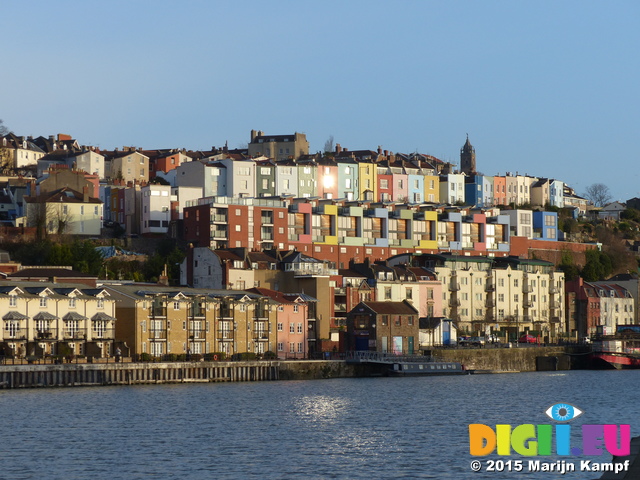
{"points": [[528, 339], [472, 342]]}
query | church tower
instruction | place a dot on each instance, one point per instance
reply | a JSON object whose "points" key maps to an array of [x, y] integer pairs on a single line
{"points": [[468, 158]]}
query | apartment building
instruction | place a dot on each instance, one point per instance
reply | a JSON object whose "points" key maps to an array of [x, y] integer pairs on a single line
{"points": [[164, 321], [506, 296]]}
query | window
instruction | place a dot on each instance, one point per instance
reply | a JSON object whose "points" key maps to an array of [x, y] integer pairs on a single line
{"points": [[72, 303], [43, 301], [299, 327], [100, 303], [300, 350], [295, 308], [279, 326], [280, 346], [176, 305], [13, 301], [292, 328], [387, 293], [409, 293]]}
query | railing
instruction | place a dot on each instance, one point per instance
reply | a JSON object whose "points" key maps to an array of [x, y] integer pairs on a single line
{"points": [[340, 307], [339, 291], [157, 334], [199, 334], [157, 312], [490, 303], [71, 334], [48, 334], [261, 336], [526, 288], [225, 335], [454, 286], [454, 302], [105, 333], [15, 333], [490, 287], [219, 234], [219, 219]]}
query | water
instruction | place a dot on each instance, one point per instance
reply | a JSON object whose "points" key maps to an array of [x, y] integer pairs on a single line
{"points": [[392, 428]]}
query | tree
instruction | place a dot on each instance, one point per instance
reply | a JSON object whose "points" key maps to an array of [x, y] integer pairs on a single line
{"points": [[3, 129], [328, 145], [6, 158], [598, 194]]}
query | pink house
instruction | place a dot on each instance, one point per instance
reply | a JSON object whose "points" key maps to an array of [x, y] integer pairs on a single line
{"points": [[292, 324]]}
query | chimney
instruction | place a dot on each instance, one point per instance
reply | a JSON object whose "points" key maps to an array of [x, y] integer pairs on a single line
{"points": [[379, 149], [85, 194], [338, 148], [164, 278], [386, 153]]}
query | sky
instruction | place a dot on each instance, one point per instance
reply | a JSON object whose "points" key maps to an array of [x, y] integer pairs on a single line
{"points": [[544, 88]]}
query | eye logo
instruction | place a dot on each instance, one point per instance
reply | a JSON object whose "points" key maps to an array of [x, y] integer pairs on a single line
{"points": [[563, 412]]}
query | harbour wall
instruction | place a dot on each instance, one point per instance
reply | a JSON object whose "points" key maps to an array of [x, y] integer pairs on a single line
{"points": [[480, 360], [518, 359]]}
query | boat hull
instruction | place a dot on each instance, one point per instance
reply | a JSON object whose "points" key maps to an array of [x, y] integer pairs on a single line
{"points": [[617, 360], [427, 368]]}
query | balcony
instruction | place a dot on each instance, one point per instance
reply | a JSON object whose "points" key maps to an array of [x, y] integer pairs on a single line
{"points": [[340, 307], [527, 304], [225, 335], [218, 234], [261, 337], [219, 219], [454, 286], [74, 334], [103, 334], [553, 305], [157, 334], [266, 220], [226, 313], [489, 302], [526, 288], [454, 302], [199, 334], [11, 333], [340, 291], [490, 287], [48, 334], [196, 312], [157, 312], [553, 290]]}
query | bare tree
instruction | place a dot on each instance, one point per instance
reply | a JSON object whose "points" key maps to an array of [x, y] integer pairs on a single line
{"points": [[598, 194], [328, 145], [3, 129]]}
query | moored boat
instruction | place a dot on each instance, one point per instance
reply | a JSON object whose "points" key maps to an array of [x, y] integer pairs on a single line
{"points": [[620, 351]]}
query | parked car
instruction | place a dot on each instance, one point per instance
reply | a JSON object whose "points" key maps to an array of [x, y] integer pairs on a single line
{"points": [[472, 342], [528, 339]]}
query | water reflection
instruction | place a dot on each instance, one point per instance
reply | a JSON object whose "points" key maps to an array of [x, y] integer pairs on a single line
{"points": [[343, 429]]}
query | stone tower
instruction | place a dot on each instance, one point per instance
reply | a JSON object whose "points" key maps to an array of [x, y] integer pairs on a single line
{"points": [[468, 158]]}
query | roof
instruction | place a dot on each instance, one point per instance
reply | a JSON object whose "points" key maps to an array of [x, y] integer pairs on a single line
{"points": [[388, 308], [63, 195], [48, 273]]}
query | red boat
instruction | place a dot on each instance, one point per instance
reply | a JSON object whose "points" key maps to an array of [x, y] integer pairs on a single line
{"points": [[621, 351]]}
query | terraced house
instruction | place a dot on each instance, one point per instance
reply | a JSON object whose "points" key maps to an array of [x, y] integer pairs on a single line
{"points": [[44, 319]]}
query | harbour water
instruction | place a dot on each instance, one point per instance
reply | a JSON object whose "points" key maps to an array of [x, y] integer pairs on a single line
{"points": [[369, 428]]}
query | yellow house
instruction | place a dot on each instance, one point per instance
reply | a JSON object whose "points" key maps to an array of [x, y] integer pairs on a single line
{"points": [[42, 319], [163, 322], [65, 211]]}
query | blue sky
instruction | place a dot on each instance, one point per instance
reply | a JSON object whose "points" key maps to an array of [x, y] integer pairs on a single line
{"points": [[546, 88]]}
